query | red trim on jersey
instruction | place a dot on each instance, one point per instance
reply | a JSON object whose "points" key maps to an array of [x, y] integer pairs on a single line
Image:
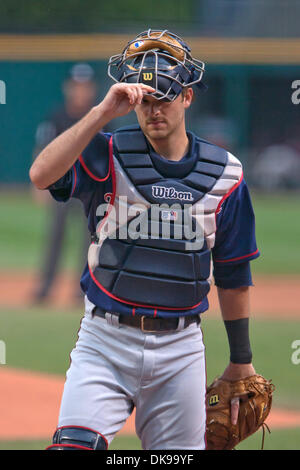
{"points": [[113, 177], [235, 259], [155, 313], [133, 312], [94, 177]]}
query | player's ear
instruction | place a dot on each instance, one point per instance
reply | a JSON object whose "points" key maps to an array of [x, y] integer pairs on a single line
{"points": [[188, 94]]}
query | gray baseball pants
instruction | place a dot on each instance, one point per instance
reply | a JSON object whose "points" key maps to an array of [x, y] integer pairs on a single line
{"points": [[115, 368]]}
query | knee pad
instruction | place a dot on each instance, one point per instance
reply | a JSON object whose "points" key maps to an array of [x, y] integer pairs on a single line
{"points": [[77, 438]]}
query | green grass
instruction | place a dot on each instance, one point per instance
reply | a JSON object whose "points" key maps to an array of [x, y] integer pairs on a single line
{"points": [[287, 439], [277, 233], [24, 226], [279, 439], [39, 339]]}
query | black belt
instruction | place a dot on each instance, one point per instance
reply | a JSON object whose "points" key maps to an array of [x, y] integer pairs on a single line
{"points": [[150, 324]]}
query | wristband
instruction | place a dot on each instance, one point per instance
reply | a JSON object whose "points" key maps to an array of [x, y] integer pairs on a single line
{"points": [[239, 342]]}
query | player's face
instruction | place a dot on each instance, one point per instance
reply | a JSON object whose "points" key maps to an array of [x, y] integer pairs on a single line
{"points": [[161, 119]]}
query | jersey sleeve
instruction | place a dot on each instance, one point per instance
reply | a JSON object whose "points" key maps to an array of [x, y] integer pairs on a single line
{"points": [[232, 276], [91, 168], [235, 235]]}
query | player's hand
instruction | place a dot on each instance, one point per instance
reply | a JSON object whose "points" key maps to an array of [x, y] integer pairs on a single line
{"points": [[235, 372], [123, 98]]}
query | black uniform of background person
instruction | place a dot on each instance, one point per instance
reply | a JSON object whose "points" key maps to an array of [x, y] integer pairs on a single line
{"points": [[79, 91]]}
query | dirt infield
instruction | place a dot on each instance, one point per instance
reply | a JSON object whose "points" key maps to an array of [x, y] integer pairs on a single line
{"points": [[270, 296], [29, 406]]}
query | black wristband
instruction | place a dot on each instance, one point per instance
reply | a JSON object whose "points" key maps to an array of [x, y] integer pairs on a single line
{"points": [[239, 342]]}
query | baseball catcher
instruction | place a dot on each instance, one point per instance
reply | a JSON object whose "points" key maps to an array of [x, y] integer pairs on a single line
{"points": [[168, 212]]}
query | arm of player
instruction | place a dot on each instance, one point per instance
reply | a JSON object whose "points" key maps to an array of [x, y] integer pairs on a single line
{"points": [[60, 154], [235, 305]]}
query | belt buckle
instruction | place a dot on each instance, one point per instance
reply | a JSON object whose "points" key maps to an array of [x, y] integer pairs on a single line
{"points": [[143, 327]]}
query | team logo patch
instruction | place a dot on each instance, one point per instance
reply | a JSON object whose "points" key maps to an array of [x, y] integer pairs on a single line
{"points": [[169, 215], [214, 400]]}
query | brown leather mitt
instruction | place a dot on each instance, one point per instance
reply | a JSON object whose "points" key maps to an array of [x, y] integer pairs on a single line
{"points": [[255, 394]]}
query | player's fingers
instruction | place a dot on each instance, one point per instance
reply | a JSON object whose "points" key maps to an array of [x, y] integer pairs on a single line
{"points": [[136, 95], [144, 90], [131, 94], [147, 88], [235, 405], [140, 95]]}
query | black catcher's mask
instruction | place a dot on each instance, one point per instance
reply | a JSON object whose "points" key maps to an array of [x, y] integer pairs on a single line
{"points": [[160, 59]]}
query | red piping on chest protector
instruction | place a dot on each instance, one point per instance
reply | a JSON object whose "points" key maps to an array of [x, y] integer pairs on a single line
{"points": [[136, 304]]}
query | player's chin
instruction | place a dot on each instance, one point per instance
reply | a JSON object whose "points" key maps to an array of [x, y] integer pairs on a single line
{"points": [[158, 133]]}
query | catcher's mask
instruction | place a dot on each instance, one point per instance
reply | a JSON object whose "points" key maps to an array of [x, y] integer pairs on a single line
{"points": [[160, 59]]}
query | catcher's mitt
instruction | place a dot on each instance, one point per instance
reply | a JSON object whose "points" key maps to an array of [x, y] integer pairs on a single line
{"points": [[255, 395]]}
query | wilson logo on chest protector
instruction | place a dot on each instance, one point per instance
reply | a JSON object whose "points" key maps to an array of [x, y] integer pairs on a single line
{"points": [[161, 192]]}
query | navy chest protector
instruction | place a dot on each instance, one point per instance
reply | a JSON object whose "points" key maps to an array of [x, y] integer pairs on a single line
{"points": [[154, 244]]}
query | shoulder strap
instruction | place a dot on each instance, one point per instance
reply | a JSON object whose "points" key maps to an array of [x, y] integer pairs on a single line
{"points": [[130, 140]]}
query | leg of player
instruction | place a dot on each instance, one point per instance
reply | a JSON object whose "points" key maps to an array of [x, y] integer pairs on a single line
{"points": [[170, 407], [99, 389]]}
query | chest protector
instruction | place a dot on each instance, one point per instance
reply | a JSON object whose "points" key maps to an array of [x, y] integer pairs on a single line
{"points": [[154, 244]]}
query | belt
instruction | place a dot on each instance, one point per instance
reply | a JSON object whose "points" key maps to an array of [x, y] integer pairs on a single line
{"points": [[150, 324]]}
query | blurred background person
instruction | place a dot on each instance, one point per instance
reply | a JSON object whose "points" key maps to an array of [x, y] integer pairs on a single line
{"points": [[277, 165], [79, 90]]}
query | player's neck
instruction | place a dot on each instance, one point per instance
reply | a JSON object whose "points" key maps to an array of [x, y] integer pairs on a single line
{"points": [[173, 147]]}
